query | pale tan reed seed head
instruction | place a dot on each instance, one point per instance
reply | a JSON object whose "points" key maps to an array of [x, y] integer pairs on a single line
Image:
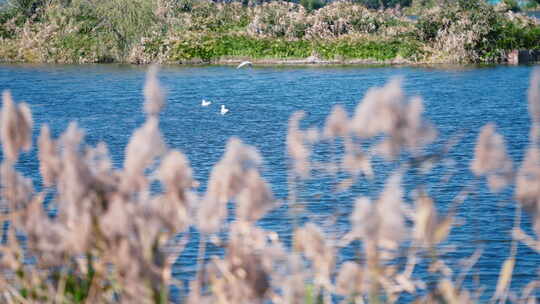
{"points": [[385, 111], [534, 133], [410, 132], [491, 159], [417, 131], [175, 174], [380, 110], [255, 199], [100, 164], [392, 228], [75, 179], [15, 127], [311, 241], [294, 284], [337, 123], [527, 190], [71, 139], [382, 223], [169, 213], [144, 147], [297, 147], [349, 279], [487, 142], [78, 237], [151, 226], [16, 190], [210, 214], [451, 294], [116, 222], [227, 178], [355, 161], [312, 135], [425, 220], [364, 219], [49, 162], [242, 276], [154, 96]]}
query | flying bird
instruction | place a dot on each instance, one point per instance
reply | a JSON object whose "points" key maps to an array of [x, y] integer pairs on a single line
{"points": [[244, 63], [205, 103], [224, 110]]}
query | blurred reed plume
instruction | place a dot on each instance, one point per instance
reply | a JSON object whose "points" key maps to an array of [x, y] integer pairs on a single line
{"points": [[99, 234]]}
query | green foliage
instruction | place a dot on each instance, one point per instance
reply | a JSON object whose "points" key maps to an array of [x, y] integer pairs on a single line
{"points": [[76, 287], [26, 8], [502, 35], [213, 17], [377, 50], [18, 11], [122, 22], [313, 296], [531, 5], [209, 48], [5, 16], [212, 47], [512, 5], [184, 5], [311, 5], [493, 33], [511, 36], [384, 3], [429, 25], [350, 49]]}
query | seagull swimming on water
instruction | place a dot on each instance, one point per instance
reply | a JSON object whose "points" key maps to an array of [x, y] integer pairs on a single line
{"points": [[244, 63], [205, 103], [224, 110]]}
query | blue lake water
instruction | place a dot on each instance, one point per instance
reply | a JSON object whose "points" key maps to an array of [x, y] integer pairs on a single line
{"points": [[106, 100]]}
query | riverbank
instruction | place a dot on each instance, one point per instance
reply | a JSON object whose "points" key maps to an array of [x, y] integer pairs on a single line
{"points": [[147, 31]]}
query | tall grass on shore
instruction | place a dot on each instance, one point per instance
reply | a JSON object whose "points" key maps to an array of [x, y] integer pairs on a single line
{"points": [[195, 31], [114, 237]]}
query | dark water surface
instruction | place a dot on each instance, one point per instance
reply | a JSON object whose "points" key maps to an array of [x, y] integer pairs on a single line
{"points": [[106, 100]]}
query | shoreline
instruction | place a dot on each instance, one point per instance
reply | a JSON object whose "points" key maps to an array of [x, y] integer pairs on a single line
{"points": [[307, 62]]}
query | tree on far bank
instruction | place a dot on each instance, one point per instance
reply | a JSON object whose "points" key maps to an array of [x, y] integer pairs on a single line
{"points": [[312, 5], [384, 3]]}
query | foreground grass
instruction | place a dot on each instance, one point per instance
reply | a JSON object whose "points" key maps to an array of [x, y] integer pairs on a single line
{"points": [[117, 233]]}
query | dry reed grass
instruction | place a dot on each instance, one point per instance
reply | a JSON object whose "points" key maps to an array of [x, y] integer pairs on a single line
{"points": [[114, 239]]}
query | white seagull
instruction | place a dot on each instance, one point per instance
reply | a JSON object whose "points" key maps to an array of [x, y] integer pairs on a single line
{"points": [[205, 103], [244, 63], [224, 110]]}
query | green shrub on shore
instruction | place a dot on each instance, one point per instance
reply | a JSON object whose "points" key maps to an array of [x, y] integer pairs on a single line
{"points": [[211, 48], [473, 31]]}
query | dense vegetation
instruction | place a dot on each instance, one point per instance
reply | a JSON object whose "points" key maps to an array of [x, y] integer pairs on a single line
{"points": [[142, 31]]}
